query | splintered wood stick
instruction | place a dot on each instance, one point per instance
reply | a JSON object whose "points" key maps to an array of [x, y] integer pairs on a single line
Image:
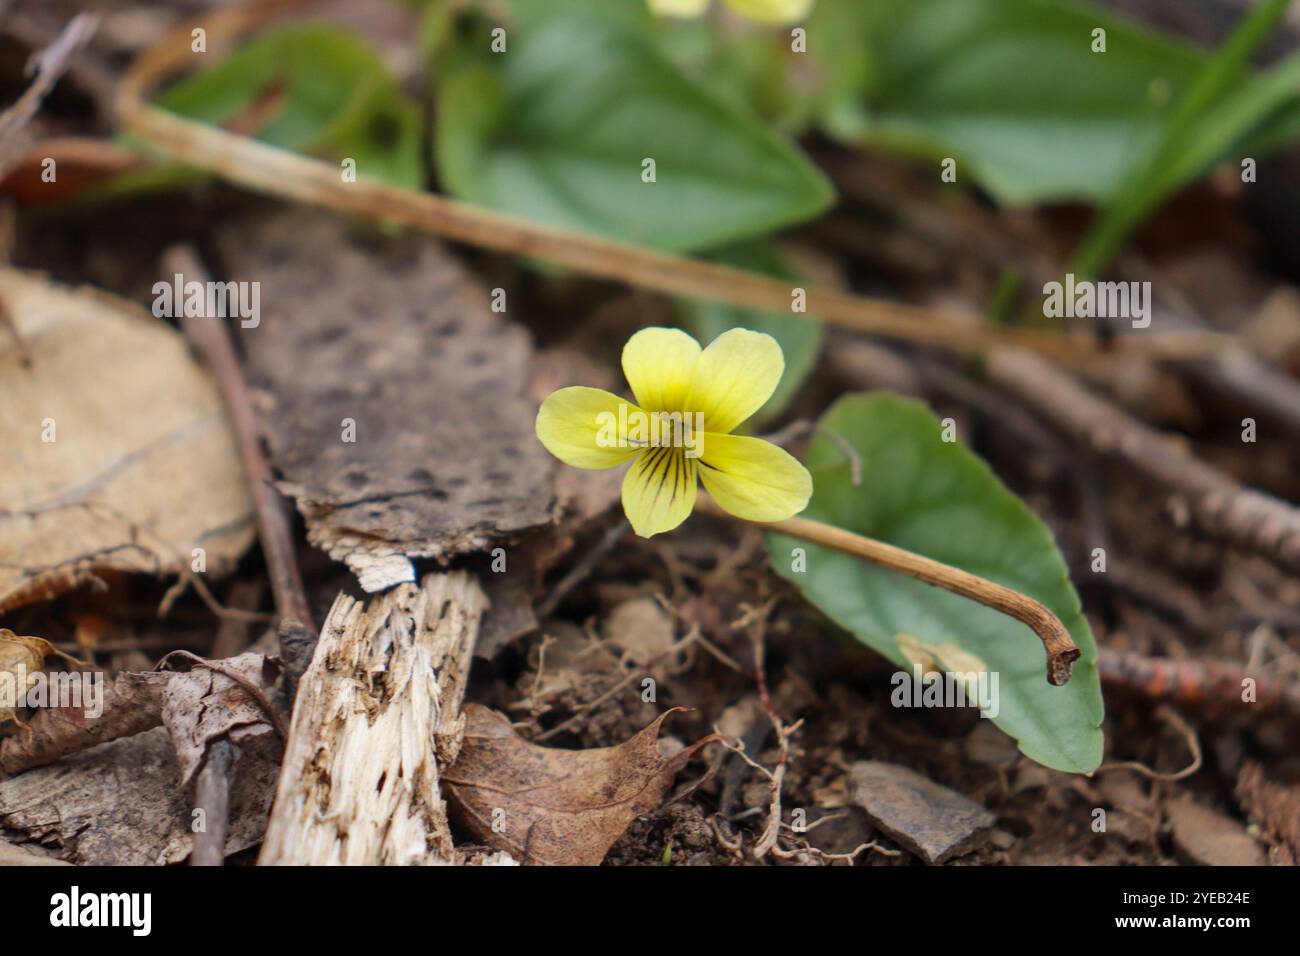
{"points": [[360, 781]]}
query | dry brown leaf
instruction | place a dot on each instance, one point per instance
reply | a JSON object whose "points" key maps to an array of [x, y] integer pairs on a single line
{"points": [[20, 657], [555, 807], [142, 468], [202, 706]]}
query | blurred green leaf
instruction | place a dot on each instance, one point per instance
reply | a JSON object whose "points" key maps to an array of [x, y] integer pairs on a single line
{"points": [[314, 89], [1010, 88], [800, 339], [557, 130], [939, 499]]}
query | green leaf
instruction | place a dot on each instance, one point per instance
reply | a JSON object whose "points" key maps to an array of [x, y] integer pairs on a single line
{"points": [[1010, 88], [557, 129], [939, 499], [800, 339], [323, 91]]}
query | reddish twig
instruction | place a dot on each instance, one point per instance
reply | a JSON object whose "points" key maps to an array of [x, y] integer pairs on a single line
{"points": [[1195, 683]]}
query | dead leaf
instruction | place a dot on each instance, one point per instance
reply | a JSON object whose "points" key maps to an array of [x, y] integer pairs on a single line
{"points": [[1275, 806], [202, 706], [555, 807], [20, 657], [399, 418], [118, 454]]}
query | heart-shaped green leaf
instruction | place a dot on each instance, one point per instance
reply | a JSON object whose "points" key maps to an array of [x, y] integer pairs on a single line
{"points": [[1013, 89], [937, 498], [561, 129]]}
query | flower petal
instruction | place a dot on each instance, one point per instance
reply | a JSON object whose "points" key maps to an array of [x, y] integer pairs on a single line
{"points": [[659, 490], [754, 479], [579, 426], [678, 8], [772, 11], [735, 375], [658, 364]]}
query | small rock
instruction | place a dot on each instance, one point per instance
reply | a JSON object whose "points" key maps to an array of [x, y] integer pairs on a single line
{"points": [[642, 628], [1211, 838], [1002, 839], [932, 821]]}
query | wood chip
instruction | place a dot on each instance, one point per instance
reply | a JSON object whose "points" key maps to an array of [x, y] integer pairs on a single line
{"points": [[932, 821], [395, 341], [118, 454]]}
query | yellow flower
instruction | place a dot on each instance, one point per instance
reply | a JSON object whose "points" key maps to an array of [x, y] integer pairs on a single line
{"points": [[688, 401], [764, 11]]}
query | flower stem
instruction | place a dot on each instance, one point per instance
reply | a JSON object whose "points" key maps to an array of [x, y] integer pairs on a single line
{"points": [[1061, 649]]}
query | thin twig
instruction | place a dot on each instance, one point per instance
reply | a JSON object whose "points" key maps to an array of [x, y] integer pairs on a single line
{"points": [[579, 572], [212, 338], [267, 169], [1203, 496], [1061, 649], [212, 794], [1189, 682], [45, 68], [1170, 717], [586, 708]]}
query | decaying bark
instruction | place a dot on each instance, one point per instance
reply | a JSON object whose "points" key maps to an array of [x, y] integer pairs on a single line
{"points": [[378, 712]]}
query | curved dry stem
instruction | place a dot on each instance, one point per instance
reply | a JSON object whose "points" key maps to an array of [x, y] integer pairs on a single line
{"points": [[285, 175], [1062, 652]]}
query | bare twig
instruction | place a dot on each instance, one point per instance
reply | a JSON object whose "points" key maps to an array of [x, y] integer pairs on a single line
{"points": [[1170, 717], [586, 708], [1061, 649], [580, 571], [45, 68], [1194, 682], [212, 339], [1204, 496], [212, 793]]}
